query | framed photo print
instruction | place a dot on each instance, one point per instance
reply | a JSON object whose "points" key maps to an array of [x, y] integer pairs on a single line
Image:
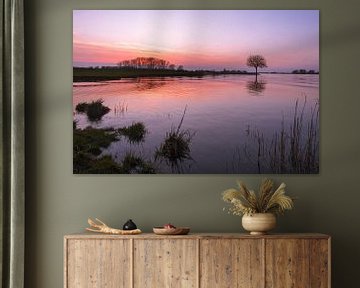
{"points": [[195, 91]]}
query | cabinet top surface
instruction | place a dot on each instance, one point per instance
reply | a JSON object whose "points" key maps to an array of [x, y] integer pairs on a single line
{"points": [[87, 235]]}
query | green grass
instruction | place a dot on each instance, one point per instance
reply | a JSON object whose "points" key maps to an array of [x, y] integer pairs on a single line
{"points": [[85, 164], [113, 73], [87, 144], [90, 140], [176, 146], [133, 164], [135, 132], [94, 110]]}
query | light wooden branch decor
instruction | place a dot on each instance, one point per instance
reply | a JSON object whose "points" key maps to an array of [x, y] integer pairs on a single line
{"points": [[101, 227]]}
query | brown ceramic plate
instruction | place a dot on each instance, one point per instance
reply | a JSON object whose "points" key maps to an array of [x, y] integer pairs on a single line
{"points": [[171, 231]]}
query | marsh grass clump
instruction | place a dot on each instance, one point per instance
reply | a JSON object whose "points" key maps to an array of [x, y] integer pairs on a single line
{"points": [[87, 145], [81, 107], [90, 140], [94, 110], [268, 200], [135, 132], [176, 146], [85, 164], [133, 164]]}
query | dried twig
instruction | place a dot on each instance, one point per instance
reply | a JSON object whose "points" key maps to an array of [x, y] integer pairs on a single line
{"points": [[101, 227]]}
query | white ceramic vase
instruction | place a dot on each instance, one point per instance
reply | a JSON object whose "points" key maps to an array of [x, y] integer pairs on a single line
{"points": [[259, 223]]}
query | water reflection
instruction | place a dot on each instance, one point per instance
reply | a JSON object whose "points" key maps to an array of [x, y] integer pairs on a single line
{"points": [[148, 84], [256, 87], [220, 111]]}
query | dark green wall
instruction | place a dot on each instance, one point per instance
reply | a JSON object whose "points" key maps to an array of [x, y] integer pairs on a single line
{"points": [[59, 202]]}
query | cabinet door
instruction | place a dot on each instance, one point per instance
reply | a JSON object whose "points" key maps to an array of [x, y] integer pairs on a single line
{"points": [[231, 263], [287, 263], [98, 263], [320, 263], [167, 263]]}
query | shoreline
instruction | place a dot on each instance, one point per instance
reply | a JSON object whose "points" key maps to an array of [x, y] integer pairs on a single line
{"points": [[108, 74], [96, 75]]}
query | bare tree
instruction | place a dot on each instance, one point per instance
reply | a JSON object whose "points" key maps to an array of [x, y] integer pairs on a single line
{"points": [[256, 61], [146, 63]]}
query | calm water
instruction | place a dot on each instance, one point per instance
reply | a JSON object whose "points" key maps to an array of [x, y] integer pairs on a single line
{"points": [[221, 111]]}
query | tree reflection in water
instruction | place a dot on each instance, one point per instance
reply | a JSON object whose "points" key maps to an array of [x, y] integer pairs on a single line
{"points": [[256, 87]]}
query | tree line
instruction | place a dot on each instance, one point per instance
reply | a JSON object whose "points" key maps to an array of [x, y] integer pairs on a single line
{"points": [[153, 63], [256, 61], [304, 71], [148, 63]]}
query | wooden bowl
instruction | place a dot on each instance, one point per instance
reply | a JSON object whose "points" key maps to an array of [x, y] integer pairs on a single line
{"points": [[171, 231]]}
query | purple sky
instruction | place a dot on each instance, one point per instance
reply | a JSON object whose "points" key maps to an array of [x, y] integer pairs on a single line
{"points": [[212, 39]]}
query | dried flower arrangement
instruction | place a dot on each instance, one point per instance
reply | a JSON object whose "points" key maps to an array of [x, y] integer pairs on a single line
{"points": [[246, 202]]}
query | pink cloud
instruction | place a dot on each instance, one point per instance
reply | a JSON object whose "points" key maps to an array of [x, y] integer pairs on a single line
{"points": [[90, 52], [111, 54]]}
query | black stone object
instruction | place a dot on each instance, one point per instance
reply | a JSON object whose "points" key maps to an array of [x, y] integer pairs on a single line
{"points": [[129, 225]]}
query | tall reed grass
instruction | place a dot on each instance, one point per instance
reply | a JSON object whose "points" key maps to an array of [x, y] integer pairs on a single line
{"points": [[293, 149], [175, 148]]}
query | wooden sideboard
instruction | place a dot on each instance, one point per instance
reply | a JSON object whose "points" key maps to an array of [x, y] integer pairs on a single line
{"points": [[197, 260]]}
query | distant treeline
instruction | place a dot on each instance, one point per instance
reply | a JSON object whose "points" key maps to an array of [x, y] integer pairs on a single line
{"points": [[304, 71], [81, 74], [152, 67], [142, 67], [114, 73], [148, 63]]}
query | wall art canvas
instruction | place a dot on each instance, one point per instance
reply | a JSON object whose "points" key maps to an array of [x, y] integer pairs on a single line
{"points": [[196, 91]]}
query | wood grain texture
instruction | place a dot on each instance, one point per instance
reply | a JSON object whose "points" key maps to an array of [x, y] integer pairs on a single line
{"points": [[164, 263], [88, 235], [98, 264], [287, 263], [231, 263], [319, 263], [197, 260]]}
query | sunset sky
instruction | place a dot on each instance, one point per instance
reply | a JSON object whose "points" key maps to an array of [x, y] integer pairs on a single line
{"points": [[198, 39]]}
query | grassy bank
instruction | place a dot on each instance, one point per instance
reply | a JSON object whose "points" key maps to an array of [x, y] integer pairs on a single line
{"points": [[88, 145], [105, 74]]}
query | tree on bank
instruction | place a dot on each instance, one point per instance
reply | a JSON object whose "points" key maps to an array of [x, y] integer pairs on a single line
{"points": [[256, 61]]}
